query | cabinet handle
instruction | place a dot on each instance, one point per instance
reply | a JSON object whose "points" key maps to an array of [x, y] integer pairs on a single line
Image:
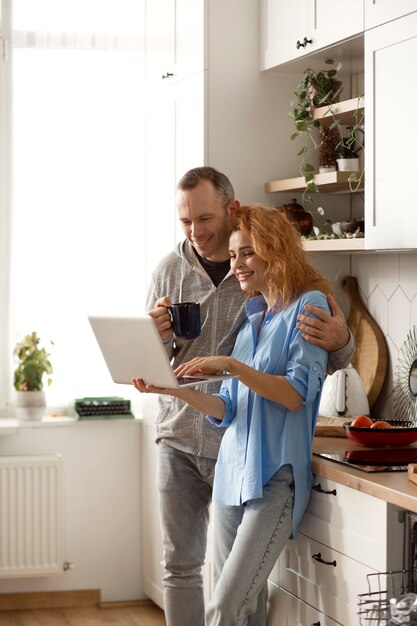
{"points": [[302, 44], [319, 489], [167, 75], [316, 624], [318, 558]]}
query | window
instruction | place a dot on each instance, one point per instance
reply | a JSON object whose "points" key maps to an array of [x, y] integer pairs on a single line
{"points": [[72, 182]]}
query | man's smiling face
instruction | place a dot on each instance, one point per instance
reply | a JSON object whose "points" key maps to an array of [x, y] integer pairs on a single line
{"points": [[205, 220]]}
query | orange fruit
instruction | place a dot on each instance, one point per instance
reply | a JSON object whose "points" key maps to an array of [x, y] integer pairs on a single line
{"points": [[381, 424], [362, 421]]}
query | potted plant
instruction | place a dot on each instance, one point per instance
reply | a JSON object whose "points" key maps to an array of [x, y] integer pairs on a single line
{"points": [[316, 89], [32, 365], [319, 88]]}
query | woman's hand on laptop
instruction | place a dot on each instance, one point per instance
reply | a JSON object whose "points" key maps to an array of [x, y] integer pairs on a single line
{"points": [[162, 318], [204, 365]]}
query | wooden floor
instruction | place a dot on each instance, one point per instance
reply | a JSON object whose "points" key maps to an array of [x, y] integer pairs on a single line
{"points": [[85, 616]]}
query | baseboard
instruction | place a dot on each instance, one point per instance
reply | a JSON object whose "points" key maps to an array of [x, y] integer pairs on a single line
{"points": [[124, 604], [49, 599]]}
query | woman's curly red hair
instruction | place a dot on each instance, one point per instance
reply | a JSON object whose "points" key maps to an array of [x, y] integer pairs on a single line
{"points": [[276, 241]]}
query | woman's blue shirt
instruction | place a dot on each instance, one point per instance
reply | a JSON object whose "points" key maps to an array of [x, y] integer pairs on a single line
{"points": [[262, 435]]}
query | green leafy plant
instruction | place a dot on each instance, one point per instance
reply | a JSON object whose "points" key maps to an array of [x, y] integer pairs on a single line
{"points": [[322, 88], [33, 364]]}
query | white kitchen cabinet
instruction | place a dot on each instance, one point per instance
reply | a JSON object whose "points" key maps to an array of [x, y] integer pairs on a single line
{"points": [[175, 131], [174, 39], [293, 30], [380, 11], [287, 610], [151, 530], [175, 143], [344, 536], [391, 135]]}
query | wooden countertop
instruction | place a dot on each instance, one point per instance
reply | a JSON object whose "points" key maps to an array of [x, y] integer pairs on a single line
{"points": [[393, 487]]}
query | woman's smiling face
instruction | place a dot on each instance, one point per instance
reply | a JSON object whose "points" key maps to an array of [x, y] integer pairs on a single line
{"points": [[247, 266]]}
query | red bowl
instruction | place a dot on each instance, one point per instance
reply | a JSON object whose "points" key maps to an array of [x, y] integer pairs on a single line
{"points": [[402, 433]]}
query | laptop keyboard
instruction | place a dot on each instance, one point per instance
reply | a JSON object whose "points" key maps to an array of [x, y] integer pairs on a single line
{"points": [[185, 380]]}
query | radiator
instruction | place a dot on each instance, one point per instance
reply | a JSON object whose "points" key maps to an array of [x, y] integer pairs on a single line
{"points": [[30, 516]]}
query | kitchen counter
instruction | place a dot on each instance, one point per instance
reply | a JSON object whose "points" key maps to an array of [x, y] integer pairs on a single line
{"points": [[393, 487], [9, 426]]}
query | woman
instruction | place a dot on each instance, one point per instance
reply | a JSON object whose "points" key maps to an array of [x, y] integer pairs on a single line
{"points": [[263, 473]]}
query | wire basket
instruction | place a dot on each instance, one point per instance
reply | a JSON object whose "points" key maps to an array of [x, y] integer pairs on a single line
{"points": [[374, 606]]}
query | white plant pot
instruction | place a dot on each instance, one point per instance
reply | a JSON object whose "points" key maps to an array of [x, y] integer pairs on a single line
{"points": [[30, 405]]}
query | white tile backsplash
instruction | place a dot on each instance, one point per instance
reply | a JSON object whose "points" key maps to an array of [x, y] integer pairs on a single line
{"points": [[413, 312], [388, 287], [408, 273], [379, 305], [399, 317]]}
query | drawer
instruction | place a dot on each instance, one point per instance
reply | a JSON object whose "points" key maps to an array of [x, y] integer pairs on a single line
{"points": [[323, 578], [286, 610], [355, 524]]}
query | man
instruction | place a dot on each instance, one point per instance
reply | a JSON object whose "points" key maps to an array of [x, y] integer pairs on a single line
{"points": [[199, 270]]}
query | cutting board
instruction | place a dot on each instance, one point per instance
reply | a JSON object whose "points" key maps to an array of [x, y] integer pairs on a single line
{"points": [[371, 356], [330, 427]]}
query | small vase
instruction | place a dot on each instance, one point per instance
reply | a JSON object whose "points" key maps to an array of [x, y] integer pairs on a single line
{"points": [[30, 405], [330, 138]]}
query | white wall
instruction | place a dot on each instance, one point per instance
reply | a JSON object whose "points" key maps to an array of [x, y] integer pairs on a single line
{"points": [[102, 504]]}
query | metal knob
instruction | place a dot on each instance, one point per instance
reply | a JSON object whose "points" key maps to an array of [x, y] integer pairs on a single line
{"points": [[302, 44]]}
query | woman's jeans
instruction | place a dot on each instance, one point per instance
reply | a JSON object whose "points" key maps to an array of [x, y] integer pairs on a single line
{"points": [[248, 540]]}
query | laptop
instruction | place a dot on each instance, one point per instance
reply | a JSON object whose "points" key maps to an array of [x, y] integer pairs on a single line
{"points": [[132, 348]]}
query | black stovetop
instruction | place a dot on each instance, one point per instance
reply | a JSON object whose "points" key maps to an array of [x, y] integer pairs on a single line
{"points": [[374, 459]]}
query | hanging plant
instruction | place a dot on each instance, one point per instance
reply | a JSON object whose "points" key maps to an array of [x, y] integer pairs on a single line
{"points": [[318, 89]]}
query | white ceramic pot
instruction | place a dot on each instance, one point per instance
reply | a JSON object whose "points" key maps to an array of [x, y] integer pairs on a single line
{"points": [[348, 164], [343, 395], [30, 405]]}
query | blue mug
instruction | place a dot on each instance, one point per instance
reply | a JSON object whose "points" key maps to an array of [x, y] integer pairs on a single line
{"points": [[185, 317]]}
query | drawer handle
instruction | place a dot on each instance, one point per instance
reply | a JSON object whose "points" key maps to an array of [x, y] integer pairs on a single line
{"points": [[318, 558], [167, 75], [316, 624], [319, 489], [302, 44]]}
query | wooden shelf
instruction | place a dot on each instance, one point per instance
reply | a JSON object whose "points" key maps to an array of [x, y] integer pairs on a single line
{"points": [[332, 181], [344, 111], [334, 245]]}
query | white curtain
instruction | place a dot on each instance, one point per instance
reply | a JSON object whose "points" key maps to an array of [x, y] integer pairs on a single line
{"points": [[77, 204]]}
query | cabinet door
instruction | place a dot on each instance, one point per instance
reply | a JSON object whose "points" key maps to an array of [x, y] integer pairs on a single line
{"points": [[355, 524], [322, 577], [151, 533], [329, 23], [174, 38], [379, 11], [292, 30], [391, 135], [175, 143], [287, 610], [282, 25]]}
